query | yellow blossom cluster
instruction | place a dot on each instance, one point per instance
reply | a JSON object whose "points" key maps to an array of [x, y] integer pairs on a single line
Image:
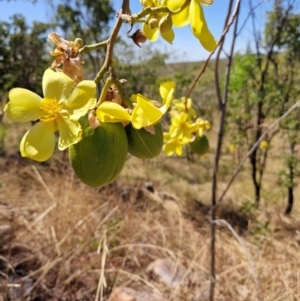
{"points": [[181, 13], [144, 113], [67, 97], [183, 130], [91, 128]]}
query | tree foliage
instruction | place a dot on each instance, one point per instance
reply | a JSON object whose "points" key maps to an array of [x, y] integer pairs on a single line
{"points": [[23, 53], [262, 87], [88, 20], [286, 65]]}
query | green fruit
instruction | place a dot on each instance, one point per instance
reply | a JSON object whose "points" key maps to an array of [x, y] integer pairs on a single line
{"points": [[100, 155], [142, 144], [200, 145]]}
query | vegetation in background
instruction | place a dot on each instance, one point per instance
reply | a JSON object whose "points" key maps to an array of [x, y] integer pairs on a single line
{"points": [[79, 232], [262, 88]]}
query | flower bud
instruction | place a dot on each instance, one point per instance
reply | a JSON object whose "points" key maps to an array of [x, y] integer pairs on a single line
{"points": [[153, 23], [165, 23], [147, 3], [79, 41]]}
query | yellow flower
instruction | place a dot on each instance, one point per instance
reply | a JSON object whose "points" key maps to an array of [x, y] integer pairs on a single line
{"points": [[144, 114], [183, 105], [182, 130], [191, 12], [180, 125], [232, 147], [157, 23], [264, 145], [57, 111], [174, 144], [201, 126]]}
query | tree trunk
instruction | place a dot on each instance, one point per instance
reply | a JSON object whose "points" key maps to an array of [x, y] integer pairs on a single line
{"points": [[291, 181], [257, 186], [290, 200], [257, 194]]}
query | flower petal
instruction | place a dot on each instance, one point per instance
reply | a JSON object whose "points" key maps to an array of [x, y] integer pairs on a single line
{"points": [[23, 105], [173, 146], [182, 18], [199, 26], [112, 112], [69, 132], [168, 149], [168, 36], [76, 114], [56, 85], [39, 142], [151, 34], [166, 90], [178, 149], [81, 95], [175, 5], [145, 113]]}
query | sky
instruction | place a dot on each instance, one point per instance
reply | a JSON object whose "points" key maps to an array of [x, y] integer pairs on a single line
{"points": [[185, 46]]}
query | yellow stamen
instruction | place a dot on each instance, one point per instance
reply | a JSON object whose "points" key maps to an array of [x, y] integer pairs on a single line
{"points": [[50, 108]]}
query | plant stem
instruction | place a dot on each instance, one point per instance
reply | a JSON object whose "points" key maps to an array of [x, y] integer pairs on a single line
{"points": [[123, 95], [222, 102], [105, 88], [111, 42], [87, 48]]}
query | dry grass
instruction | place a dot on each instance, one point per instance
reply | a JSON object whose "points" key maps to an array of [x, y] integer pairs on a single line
{"points": [[66, 241], [66, 234]]}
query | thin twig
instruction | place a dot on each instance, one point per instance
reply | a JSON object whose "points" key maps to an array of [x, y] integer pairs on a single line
{"points": [[255, 145], [88, 48], [216, 71], [252, 9], [222, 109], [110, 44], [192, 87]]}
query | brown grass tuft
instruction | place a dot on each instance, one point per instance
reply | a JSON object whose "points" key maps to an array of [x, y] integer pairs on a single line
{"points": [[66, 241]]}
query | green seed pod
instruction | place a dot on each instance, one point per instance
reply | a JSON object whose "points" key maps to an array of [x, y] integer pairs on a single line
{"points": [[200, 145], [100, 155], [142, 144], [165, 23]]}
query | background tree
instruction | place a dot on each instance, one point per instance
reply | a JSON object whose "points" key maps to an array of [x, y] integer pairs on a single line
{"points": [[141, 69], [23, 59], [23, 54], [286, 65], [254, 83], [88, 20]]}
